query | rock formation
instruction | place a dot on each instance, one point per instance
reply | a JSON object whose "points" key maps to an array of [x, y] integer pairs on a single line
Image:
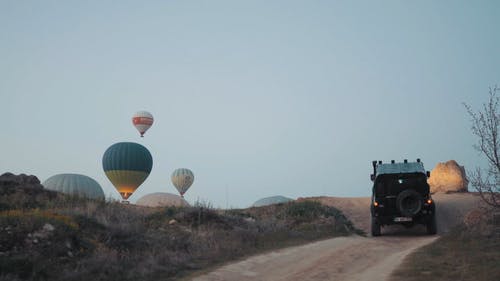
{"points": [[9, 181], [448, 177]]}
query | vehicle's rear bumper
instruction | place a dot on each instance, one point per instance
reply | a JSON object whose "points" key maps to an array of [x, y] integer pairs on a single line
{"points": [[421, 218]]}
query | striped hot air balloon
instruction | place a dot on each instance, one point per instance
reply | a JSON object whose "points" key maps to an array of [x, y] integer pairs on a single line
{"points": [[142, 121], [127, 165], [182, 179], [75, 185]]}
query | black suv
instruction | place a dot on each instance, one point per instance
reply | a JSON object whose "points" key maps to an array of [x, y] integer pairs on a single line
{"points": [[401, 195]]}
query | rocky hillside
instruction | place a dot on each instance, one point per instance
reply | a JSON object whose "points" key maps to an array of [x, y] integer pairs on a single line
{"points": [[46, 235]]}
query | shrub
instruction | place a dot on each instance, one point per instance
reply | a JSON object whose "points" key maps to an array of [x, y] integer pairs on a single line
{"points": [[111, 241]]}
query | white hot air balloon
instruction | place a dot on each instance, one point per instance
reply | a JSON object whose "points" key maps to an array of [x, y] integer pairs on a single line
{"points": [[182, 179], [142, 121], [162, 199], [271, 201]]}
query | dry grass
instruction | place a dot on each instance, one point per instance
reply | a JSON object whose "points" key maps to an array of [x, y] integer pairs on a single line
{"points": [[49, 236], [468, 252]]}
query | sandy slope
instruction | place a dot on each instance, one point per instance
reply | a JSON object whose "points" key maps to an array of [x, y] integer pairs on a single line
{"points": [[346, 258], [450, 210]]}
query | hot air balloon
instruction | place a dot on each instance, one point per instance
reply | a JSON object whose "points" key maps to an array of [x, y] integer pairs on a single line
{"points": [[76, 185], [127, 165], [162, 199], [182, 179], [271, 201], [142, 121]]}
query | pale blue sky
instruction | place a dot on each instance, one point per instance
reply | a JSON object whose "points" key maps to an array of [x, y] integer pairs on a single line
{"points": [[258, 98]]}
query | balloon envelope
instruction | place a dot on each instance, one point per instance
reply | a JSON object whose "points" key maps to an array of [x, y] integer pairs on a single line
{"points": [[142, 121], [127, 165], [76, 185], [162, 199], [271, 200], [182, 179]]}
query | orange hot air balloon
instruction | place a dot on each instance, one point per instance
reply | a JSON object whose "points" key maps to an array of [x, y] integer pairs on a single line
{"points": [[142, 121]]}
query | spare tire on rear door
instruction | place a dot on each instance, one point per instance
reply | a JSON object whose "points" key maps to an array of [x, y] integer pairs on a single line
{"points": [[409, 202]]}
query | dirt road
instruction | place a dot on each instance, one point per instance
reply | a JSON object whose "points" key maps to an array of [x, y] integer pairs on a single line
{"points": [[346, 258]]}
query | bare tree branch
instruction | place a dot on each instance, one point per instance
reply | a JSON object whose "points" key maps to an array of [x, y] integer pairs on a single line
{"points": [[485, 126]]}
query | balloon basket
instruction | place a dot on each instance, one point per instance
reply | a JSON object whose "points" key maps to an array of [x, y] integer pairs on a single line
{"points": [[125, 202]]}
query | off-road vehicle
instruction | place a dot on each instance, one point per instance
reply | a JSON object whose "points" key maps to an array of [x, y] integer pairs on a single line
{"points": [[401, 195]]}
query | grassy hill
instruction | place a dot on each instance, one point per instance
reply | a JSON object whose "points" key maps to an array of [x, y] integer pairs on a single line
{"points": [[50, 236], [469, 252]]}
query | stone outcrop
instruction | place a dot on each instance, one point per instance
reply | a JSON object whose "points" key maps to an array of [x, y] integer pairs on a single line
{"points": [[448, 177], [9, 181]]}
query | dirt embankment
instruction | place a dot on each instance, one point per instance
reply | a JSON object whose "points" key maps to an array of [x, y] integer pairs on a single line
{"points": [[347, 258]]}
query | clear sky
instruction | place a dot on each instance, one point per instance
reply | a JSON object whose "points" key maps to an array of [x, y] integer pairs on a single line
{"points": [[257, 98]]}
